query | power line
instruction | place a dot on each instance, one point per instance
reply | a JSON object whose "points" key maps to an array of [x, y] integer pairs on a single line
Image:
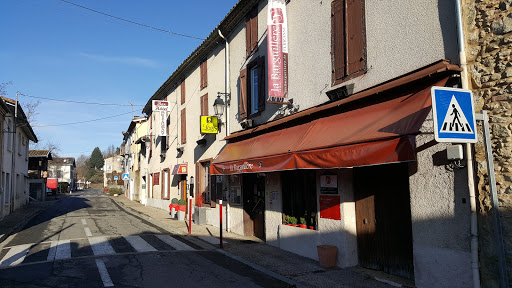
{"points": [[78, 102], [87, 121], [132, 22]]}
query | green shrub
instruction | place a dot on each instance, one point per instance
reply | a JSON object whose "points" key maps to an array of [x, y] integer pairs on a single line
{"points": [[303, 221], [293, 220], [112, 191], [182, 202], [174, 200]]}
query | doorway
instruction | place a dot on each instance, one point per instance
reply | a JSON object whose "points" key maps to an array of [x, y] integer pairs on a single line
{"points": [[254, 205], [383, 218]]}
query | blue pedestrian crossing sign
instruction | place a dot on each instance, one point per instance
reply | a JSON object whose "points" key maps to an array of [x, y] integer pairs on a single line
{"points": [[454, 115], [126, 176]]}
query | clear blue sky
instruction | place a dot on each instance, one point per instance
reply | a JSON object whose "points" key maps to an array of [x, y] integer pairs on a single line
{"points": [[53, 49]]}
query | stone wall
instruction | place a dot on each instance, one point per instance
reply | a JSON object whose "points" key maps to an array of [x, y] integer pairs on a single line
{"points": [[488, 28]]}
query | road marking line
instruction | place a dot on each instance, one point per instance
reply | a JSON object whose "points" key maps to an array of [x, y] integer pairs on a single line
{"points": [[15, 256], [88, 232], [139, 244], [105, 277], [52, 251], [100, 246], [83, 222], [211, 239], [176, 244], [63, 250]]}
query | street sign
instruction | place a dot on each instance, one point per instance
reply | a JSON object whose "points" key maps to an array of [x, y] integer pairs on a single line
{"points": [[209, 125], [454, 115], [115, 178], [126, 176]]}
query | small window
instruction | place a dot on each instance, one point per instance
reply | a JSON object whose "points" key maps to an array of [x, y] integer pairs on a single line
{"points": [[252, 89]]}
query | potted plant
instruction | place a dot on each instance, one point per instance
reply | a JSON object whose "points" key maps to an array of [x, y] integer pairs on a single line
{"points": [[173, 207], [293, 221], [182, 207], [303, 223], [312, 227]]}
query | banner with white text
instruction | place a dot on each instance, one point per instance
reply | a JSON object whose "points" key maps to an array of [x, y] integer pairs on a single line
{"points": [[162, 108], [277, 29]]}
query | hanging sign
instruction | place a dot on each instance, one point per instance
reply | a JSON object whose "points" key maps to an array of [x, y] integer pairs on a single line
{"points": [[454, 115], [179, 169], [209, 125], [161, 107], [277, 51]]}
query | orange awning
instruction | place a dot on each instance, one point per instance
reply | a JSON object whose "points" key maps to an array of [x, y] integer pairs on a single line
{"points": [[382, 132]]}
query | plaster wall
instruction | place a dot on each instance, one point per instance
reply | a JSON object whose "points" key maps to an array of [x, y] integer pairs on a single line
{"points": [[440, 213]]}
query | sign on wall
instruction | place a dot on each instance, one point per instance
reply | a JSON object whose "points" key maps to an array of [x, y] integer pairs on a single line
{"points": [[454, 115], [330, 207], [277, 51], [329, 184], [162, 108], [209, 125]]}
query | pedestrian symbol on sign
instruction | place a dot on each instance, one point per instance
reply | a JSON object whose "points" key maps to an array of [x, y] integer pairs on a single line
{"points": [[455, 120]]}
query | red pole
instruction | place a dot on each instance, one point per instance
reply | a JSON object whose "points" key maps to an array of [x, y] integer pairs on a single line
{"points": [[220, 205], [190, 217]]}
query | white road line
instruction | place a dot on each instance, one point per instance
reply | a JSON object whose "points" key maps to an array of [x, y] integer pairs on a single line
{"points": [[176, 244], [100, 246], [52, 251], [105, 277], [88, 232], [211, 239], [84, 222], [139, 244], [63, 250], [15, 256]]}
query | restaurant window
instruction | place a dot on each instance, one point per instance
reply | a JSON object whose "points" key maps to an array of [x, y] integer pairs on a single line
{"points": [[348, 40], [251, 31], [204, 74], [299, 196], [252, 89]]}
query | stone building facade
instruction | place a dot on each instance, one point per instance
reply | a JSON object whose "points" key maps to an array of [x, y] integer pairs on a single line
{"points": [[489, 53]]}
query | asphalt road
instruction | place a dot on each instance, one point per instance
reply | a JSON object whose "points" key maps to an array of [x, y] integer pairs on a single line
{"points": [[87, 240]]}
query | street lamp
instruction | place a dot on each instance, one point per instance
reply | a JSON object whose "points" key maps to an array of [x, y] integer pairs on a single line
{"points": [[218, 106]]}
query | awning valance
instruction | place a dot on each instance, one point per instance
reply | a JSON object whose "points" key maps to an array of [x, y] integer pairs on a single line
{"points": [[382, 132]]}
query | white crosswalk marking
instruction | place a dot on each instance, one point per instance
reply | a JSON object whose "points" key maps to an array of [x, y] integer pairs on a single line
{"points": [[63, 250], [139, 244], [52, 251], [178, 245], [100, 246], [105, 277], [15, 256], [87, 232]]}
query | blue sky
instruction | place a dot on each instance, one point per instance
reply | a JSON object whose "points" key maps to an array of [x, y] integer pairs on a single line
{"points": [[52, 49]]}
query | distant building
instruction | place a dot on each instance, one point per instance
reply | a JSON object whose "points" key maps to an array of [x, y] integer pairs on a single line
{"points": [[111, 169], [63, 170], [38, 172]]}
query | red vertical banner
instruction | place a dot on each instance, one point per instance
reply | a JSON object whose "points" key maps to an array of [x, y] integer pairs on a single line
{"points": [[277, 51]]}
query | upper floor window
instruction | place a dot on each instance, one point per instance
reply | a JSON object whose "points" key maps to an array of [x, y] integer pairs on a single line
{"points": [[204, 75], [251, 31], [183, 126], [252, 89], [182, 92], [348, 40]]}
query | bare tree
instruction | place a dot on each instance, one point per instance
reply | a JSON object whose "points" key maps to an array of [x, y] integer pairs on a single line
{"points": [[30, 109], [54, 147], [82, 166], [110, 151], [3, 92]]}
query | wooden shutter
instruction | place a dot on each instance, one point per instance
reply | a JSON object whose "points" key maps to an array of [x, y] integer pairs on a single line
{"points": [[151, 121], [261, 84], [204, 105], [248, 36], [338, 39], [150, 146], [254, 30], [355, 36], [183, 126], [242, 103], [204, 75], [182, 92]]}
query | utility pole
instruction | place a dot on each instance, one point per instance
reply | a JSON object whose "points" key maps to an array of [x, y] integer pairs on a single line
{"points": [[13, 158]]}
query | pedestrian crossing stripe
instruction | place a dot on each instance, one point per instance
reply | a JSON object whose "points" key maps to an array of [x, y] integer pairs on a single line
{"points": [[453, 115], [455, 121], [100, 246]]}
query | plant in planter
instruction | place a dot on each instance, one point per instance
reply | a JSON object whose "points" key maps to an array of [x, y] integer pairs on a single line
{"points": [[312, 227], [293, 221], [182, 207], [173, 207], [303, 223]]}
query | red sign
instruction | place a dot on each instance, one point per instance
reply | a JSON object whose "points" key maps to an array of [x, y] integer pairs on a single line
{"points": [[156, 178], [51, 183], [330, 207], [180, 169], [277, 51]]}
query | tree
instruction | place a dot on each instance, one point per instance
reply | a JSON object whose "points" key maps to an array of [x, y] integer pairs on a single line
{"points": [[82, 166], [110, 151], [96, 160]]}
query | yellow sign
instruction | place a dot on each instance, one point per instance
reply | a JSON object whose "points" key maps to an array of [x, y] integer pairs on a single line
{"points": [[209, 125]]}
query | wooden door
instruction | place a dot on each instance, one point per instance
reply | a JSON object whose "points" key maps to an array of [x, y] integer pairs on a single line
{"points": [[254, 205], [383, 218]]}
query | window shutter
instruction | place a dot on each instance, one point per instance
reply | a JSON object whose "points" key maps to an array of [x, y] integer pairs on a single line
{"points": [[183, 126], [213, 191], [261, 84], [355, 36], [248, 36], [183, 92], [338, 39], [204, 75], [254, 30], [204, 105], [242, 103], [150, 146]]}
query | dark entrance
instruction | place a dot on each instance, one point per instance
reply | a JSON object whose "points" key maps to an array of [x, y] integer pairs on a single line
{"points": [[254, 205], [383, 217]]}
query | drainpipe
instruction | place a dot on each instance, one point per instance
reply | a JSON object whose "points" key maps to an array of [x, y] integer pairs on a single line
{"points": [[227, 91], [469, 154]]}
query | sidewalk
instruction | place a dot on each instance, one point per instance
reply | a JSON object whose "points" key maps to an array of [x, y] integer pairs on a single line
{"points": [[291, 268]]}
